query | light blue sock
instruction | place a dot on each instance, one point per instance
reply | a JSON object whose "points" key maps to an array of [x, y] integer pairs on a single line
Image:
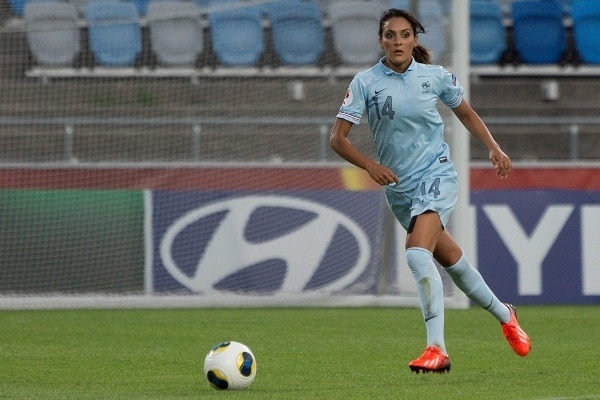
{"points": [[470, 281], [431, 294]]}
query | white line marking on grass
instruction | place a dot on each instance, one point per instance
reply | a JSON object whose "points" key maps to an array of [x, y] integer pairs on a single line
{"points": [[590, 397]]}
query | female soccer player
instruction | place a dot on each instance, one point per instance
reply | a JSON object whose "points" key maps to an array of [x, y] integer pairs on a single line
{"points": [[399, 94]]}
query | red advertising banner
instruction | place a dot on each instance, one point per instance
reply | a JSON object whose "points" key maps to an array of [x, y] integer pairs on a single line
{"points": [[275, 178]]}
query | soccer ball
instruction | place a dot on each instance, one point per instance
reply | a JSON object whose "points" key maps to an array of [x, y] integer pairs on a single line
{"points": [[230, 366]]}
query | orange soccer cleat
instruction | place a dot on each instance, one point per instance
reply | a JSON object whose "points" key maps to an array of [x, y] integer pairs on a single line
{"points": [[433, 360], [516, 337]]}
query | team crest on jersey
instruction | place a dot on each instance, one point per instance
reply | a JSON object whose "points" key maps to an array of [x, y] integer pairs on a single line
{"points": [[425, 87], [453, 80], [348, 97]]}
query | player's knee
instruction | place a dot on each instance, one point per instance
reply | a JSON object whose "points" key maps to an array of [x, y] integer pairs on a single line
{"points": [[416, 257]]}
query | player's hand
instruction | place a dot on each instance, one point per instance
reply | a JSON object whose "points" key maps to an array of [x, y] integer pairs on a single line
{"points": [[381, 174], [501, 162]]}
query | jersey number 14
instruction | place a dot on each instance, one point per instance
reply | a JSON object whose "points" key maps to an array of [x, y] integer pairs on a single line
{"points": [[386, 109]]}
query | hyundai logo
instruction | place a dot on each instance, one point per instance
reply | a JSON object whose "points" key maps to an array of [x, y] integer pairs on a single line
{"points": [[268, 244]]}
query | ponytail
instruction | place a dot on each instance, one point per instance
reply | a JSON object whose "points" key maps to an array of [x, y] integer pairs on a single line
{"points": [[422, 54]]}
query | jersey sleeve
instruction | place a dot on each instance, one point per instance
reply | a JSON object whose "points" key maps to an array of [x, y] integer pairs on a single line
{"points": [[452, 93], [353, 106]]}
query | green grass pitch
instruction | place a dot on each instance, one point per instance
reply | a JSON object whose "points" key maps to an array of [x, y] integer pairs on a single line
{"points": [[312, 353]]}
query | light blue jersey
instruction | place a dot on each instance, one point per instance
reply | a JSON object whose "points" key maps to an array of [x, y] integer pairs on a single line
{"points": [[402, 115]]}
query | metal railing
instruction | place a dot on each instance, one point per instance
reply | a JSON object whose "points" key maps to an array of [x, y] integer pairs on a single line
{"points": [[572, 123], [322, 127]]}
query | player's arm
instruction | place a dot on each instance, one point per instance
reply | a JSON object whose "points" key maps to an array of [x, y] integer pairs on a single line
{"points": [[469, 118], [341, 145]]}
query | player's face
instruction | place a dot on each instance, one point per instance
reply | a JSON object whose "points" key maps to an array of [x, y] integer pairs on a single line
{"points": [[397, 41]]}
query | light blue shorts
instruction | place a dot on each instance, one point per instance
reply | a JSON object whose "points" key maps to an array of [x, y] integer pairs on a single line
{"points": [[437, 191]]}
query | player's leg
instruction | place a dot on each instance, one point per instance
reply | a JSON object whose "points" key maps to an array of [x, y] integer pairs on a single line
{"points": [[422, 235], [432, 203], [427, 277], [450, 256], [470, 281]]}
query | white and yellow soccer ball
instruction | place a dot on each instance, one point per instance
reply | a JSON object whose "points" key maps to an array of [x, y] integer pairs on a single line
{"points": [[230, 366]]}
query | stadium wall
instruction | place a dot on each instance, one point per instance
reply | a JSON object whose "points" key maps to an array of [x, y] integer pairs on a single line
{"points": [[276, 236]]}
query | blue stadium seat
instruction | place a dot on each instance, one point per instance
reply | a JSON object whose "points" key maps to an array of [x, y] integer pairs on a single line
{"points": [[488, 35], [539, 31], [586, 29], [82, 4], [114, 32], [52, 32], [202, 4], [17, 6], [566, 5], [400, 4], [141, 5], [237, 36], [297, 31], [506, 5]]}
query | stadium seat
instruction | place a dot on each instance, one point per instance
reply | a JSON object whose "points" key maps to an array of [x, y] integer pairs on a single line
{"points": [[79, 4], [354, 28], [114, 33], [82, 4], [400, 4], [237, 36], [539, 32], [141, 5], [488, 35], [176, 33], [297, 32], [202, 4], [52, 32], [431, 15], [586, 30], [506, 5], [566, 5], [17, 6]]}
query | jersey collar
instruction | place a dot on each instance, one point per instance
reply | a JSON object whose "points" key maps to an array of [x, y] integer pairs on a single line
{"points": [[388, 71]]}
